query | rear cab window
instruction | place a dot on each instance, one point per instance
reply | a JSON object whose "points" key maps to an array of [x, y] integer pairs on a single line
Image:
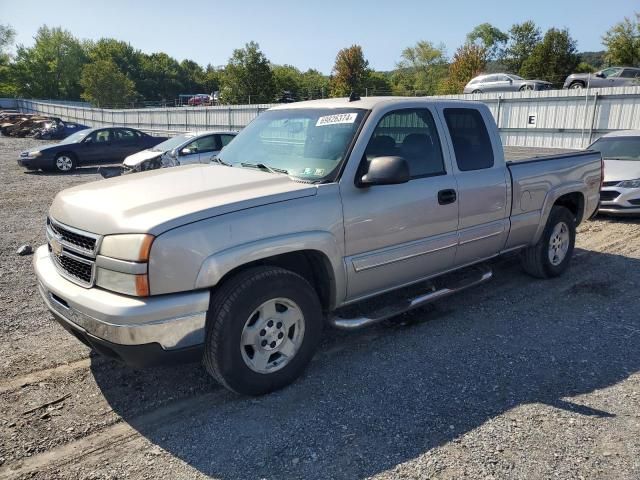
{"points": [[470, 139]]}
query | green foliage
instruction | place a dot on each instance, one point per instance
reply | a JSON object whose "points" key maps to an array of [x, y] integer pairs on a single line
{"points": [[105, 84], [553, 59], [469, 61], [248, 77], [287, 78], [622, 42], [584, 67], [490, 38], [315, 85], [350, 72], [52, 67], [523, 39], [7, 36], [377, 83], [421, 69], [594, 59]]}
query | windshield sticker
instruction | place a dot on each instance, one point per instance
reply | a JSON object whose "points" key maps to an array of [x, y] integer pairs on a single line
{"points": [[307, 171], [319, 172], [338, 118]]}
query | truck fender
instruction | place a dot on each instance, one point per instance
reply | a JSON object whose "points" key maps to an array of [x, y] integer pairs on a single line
{"points": [[550, 199], [216, 266]]}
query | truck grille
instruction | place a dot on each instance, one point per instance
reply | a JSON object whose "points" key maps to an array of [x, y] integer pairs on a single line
{"points": [[610, 184], [84, 242], [73, 252], [608, 195]]}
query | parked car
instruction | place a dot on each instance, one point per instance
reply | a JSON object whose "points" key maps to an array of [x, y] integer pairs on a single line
{"points": [[200, 100], [314, 206], [90, 146], [182, 149], [56, 129], [609, 77], [620, 194], [22, 127], [11, 120], [503, 82]]}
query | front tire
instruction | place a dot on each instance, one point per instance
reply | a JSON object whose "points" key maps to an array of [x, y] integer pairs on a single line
{"points": [[576, 86], [551, 256], [64, 163], [263, 327]]}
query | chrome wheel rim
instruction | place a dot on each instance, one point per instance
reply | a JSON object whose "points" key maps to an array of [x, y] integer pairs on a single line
{"points": [[272, 335], [576, 86], [559, 243], [64, 163]]}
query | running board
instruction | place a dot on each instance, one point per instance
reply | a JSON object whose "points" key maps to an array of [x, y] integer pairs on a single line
{"points": [[482, 275]]}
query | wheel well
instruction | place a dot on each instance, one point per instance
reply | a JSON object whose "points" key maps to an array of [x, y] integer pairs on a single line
{"points": [[581, 82], [70, 154], [574, 202], [312, 265]]}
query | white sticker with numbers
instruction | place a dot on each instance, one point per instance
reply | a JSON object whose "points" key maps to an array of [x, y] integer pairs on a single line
{"points": [[337, 118]]}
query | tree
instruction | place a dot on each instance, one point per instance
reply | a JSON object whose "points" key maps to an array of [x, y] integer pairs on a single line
{"points": [[192, 77], [420, 69], [314, 85], [7, 36], [377, 83], [622, 42], [552, 59], [523, 38], [287, 78], [105, 84], [350, 72], [52, 67], [160, 77], [469, 61], [248, 77], [490, 38]]}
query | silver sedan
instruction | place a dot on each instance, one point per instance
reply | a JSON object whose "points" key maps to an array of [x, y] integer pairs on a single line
{"points": [[620, 192], [503, 82]]}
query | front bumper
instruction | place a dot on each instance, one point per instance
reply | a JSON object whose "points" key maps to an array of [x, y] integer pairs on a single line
{"points": [[139, 331], [619, 201]]}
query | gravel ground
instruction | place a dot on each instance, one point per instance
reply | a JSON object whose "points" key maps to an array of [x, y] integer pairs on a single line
{"points": [[517, 378]]}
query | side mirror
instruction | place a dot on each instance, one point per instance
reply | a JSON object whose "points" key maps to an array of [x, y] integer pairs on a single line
{"points": [[511, 80], [186, 151], [599, 75], [385, 171]]}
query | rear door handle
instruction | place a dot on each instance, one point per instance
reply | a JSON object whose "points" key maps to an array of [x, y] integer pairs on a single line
{"points": [[447, 196]]}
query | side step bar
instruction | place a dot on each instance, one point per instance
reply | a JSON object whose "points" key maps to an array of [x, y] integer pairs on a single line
{"points": [[340, 323]]}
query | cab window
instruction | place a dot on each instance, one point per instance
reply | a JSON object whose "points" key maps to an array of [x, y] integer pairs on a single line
{"points": [[412, 135]]}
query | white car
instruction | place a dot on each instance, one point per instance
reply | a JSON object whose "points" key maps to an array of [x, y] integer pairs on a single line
{"points": [[620, 192], [182, 149]]}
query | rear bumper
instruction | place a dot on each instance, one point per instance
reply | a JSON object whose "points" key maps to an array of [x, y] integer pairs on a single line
{"points": [[119, 325]]}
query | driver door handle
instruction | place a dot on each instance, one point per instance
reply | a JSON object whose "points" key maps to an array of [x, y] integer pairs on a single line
{"points": [[447, 196]]}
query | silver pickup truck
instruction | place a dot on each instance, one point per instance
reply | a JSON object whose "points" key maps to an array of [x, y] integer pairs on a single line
{"points": [[313, 208]]}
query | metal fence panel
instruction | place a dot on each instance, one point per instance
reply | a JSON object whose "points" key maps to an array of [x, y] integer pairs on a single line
{"points": [[553, 118]]}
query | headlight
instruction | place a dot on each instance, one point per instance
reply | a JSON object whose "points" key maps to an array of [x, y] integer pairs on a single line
{"points": [[122, 264], [630, 183], [33, 154], [134, 247]]}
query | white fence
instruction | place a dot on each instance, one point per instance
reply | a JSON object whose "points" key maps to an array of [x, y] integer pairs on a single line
{"points": [[554, 118]]}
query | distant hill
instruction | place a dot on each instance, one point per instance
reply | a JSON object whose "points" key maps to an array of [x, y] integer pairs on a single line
{"points": [[595, 59]]}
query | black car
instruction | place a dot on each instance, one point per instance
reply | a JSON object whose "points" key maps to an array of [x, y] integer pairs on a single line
{"points": [[90, 146]]}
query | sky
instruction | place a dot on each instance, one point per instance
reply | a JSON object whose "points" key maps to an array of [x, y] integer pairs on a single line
{"points": [[303, 33]]}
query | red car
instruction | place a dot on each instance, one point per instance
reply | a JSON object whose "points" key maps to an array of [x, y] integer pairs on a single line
{"points": [[200, 99]]}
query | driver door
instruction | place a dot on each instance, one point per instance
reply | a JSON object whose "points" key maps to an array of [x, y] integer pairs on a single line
{"points": [[96, 147], [399, 234], [190, 153]]}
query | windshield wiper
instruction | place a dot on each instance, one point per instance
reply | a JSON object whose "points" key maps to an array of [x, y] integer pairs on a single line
{"points": [[262, 166], [220, 161]]}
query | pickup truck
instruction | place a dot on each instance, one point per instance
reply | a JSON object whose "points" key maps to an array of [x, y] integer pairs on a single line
{"points": [[313, 208]]}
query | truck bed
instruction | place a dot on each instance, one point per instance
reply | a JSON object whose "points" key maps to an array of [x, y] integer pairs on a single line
{"points": [[515, 154]]}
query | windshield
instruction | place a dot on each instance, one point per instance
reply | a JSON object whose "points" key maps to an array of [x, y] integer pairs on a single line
{"points": [[172, 143], [307, 143], [76, 137], [618, 148]]}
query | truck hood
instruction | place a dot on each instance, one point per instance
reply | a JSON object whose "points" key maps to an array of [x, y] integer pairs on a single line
{"points": [[139, 157], [618, 170], [159, 200]]}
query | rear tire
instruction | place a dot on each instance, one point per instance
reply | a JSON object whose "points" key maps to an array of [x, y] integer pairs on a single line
{"points": [[477, 91], [551, 256], [263, 327]]}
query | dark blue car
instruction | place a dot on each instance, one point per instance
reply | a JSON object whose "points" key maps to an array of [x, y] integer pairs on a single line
{"points": [[86, 147]]}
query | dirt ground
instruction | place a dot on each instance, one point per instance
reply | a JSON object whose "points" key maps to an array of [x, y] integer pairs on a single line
{"points": [[517, 378]]}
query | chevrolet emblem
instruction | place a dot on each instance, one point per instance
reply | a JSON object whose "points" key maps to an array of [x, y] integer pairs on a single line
{"points": [[56, 247]]}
